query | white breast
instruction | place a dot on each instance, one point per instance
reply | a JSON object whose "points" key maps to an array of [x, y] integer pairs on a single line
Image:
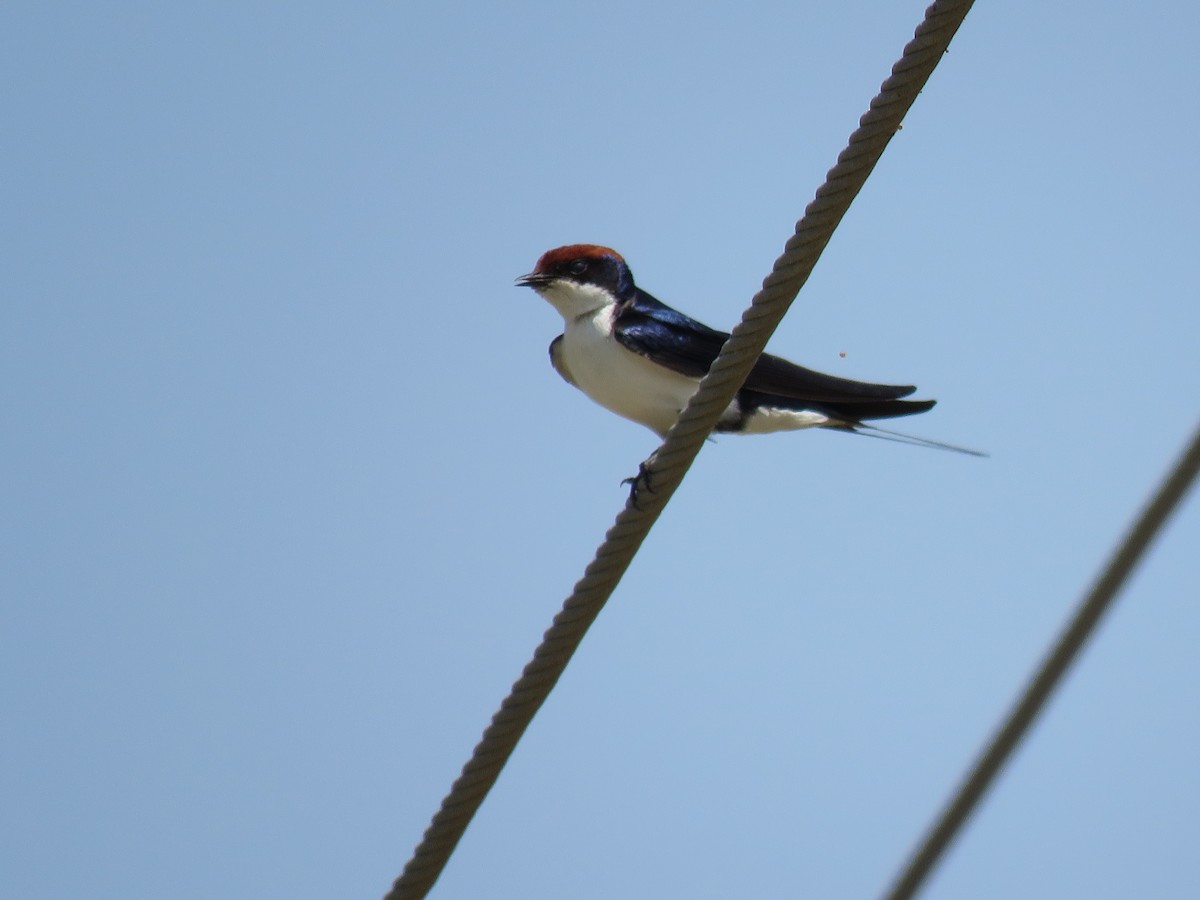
{"points": [[620, 380]]}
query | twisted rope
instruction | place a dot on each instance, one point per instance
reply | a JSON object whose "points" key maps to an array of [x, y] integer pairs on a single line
{"points": [[1049, 674], [671, 461]]}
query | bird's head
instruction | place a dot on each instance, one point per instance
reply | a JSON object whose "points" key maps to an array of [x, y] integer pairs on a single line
{"points": [[580, 278]]}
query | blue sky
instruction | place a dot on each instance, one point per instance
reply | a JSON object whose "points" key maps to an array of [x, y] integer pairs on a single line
{"points": [[291, 490]]}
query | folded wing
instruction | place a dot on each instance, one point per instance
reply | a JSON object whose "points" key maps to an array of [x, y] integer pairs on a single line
{"points": [[669, 338]]}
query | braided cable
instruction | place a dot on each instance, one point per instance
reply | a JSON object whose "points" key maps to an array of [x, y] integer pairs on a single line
{"points": [[667, 466], [1049, 674]]}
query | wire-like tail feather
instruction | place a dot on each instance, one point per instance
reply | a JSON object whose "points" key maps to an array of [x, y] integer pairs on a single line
{"points": [[899, 437]]}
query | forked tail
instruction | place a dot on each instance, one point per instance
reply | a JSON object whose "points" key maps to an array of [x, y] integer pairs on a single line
{"points": [[886, 434]]}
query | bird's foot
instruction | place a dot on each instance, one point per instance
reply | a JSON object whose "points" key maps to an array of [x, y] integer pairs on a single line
{"points": [[640, 482]]}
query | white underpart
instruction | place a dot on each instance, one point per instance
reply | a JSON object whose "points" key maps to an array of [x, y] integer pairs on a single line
{"points": [[768, 419], [620, 380], [628, 383]]}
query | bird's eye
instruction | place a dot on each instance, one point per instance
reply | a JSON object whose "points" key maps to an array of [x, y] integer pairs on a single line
{"points": [[579, 266]]}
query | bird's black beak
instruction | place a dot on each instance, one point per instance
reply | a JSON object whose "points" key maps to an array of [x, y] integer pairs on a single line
{"points": [[534, 280]]}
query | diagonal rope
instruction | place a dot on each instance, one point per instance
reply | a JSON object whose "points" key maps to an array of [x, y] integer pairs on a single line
{"points": [[671, 461], [1170, 493]]}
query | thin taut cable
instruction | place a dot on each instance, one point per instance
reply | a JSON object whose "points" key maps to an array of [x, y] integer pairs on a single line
{"points": [[683, 442], [1170, 493]]}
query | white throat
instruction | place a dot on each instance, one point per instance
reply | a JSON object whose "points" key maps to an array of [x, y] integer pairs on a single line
{"points": [[573, 300]]}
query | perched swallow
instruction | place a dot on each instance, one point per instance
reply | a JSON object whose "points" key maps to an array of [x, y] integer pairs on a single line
{"points": [[643, 360]]}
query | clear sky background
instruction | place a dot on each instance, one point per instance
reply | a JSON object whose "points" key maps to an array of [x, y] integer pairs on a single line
{"points": [[291, 491]]}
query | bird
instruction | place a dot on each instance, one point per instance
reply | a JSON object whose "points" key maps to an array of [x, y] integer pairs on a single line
{"points": [[643, 360]]}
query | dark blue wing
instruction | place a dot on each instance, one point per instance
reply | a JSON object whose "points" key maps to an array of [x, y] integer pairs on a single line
{"points": [[680, 343]]}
